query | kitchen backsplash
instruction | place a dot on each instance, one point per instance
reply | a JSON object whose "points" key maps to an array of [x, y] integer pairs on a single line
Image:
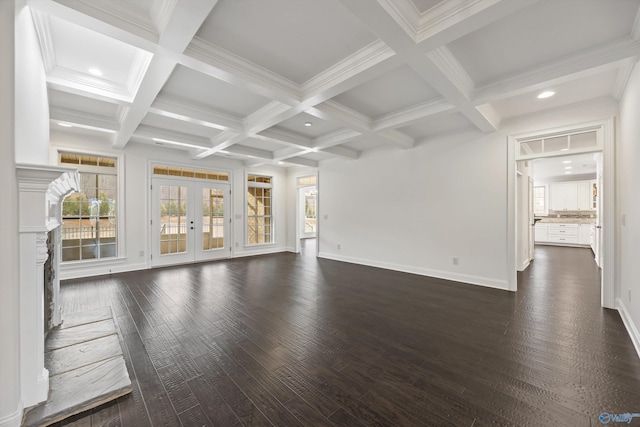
{"points": [[572, 214]]}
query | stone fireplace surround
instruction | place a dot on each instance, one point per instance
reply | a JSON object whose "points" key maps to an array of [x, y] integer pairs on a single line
{"points": [[41, 191]]}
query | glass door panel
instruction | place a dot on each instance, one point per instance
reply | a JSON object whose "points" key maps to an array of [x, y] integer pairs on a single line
{"points": [[212, 221]]}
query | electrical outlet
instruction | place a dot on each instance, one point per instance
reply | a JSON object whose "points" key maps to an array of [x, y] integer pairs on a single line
{"points": [[455, 261], [338, 245]]}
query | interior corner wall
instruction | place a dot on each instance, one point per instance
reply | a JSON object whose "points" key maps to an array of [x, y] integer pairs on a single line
{"points": [[628, 202], [10, 402], [416, 210], [31, 105]]}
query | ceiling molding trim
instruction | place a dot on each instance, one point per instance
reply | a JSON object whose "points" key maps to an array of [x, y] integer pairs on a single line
{"points": [[161, 12], [302, 161], [490, 114], [408, 115], [349, 67], [336, 112], [269, 115], [151, 132], [340, 151], [83, 119], [285, 137], [398, 138], [624, 73], [447, 63], [220, 142], [406, 15], [447, 14], [138, 70], [42, 25], [288, 152], [116, 14], [250, 151], [539, 76], [194, 113], [222, 59], [89, 84], [335, 138]]}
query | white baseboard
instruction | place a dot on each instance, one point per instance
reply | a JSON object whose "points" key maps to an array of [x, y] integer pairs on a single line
{"points": [[524, 265], [632, 330], [73, 272], [14, 419], [447, 275], [261, 251]]}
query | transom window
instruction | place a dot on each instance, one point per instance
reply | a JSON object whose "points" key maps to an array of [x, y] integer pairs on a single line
{"points": [[89, 216], [190, 173]]}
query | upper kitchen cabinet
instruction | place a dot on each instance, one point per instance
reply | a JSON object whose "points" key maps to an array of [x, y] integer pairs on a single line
{"points": [[570, 196]]}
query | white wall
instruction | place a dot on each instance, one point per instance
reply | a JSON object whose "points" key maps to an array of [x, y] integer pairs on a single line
{"points": [[10, 403], [415, 210], [628, 199], [137, 158], [32, 105]]}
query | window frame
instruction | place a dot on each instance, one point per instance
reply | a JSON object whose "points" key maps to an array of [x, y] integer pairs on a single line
{"points": [[270, 186], [120, 201], [546, 200]]}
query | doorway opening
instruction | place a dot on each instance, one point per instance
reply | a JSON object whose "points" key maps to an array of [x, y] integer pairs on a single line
{"points": [[561, 194], [306, 212]]}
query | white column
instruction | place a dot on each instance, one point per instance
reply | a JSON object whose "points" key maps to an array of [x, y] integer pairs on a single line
{"points": [[10, 402]]}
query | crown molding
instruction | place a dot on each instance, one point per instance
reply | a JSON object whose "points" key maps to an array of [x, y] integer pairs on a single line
{"points": [[195, 113], [490, 114], [285, 137], [411, 114], [302, 162], [161, 11], [539, 76], [367, 57], [42, 25], [137, 71], [624, 73], [83, 119], [89, 84], [447, 63], [447, 14], [222, 59], [405, 14], [341, 151]]}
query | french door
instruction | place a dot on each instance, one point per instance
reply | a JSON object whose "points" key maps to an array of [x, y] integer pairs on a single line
{"points": [[190, 221]]}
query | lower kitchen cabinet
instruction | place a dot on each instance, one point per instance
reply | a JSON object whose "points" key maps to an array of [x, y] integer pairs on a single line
{"points": [[563, 234]]}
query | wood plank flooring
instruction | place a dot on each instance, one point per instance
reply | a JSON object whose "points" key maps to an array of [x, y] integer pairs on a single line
{"points": [[286, 340]]}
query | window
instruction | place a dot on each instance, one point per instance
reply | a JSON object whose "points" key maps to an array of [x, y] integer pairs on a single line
{"points": [[259, 210], [539, 205], [89, 220]]}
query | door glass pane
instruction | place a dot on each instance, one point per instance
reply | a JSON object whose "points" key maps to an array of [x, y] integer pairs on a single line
{"points": [[559, 143], [584, 140], [531, 147], [212, 219], [310, 210], [173, 219]]}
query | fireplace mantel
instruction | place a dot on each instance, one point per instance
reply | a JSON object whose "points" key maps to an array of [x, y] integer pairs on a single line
{"points": [[41, 191]]}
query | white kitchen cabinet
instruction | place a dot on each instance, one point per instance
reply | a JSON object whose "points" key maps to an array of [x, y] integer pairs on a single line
{"points": [[570, 196], [563, 233], [584, 234], [541, 230]]}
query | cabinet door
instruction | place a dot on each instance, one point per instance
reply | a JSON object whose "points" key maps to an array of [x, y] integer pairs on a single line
{"points": [[571, 196], [541, 233], [584, 196], [584, 234], [557, 196]]}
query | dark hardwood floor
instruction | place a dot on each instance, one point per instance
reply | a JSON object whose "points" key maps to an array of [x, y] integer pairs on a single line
{"points": [[289, 340]]}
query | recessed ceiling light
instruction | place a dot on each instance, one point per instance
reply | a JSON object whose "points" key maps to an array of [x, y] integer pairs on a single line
{"points": [[308, 124], [546, 94], [95, 71], [568, 172], [65, 125], [566, 161], [281, 163], [568, 167]]}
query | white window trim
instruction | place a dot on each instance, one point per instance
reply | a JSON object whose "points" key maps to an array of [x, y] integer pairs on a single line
{"points": [[121, 227], [272, 186]]}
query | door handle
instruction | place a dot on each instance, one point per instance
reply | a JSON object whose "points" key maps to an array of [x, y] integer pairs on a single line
{"points": [[598, 226]]}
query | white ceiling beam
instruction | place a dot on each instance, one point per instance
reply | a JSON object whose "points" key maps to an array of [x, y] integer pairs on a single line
{"points": [[338, 137], [437, 68], [342, 151], [287, 138], [559, 71], [186, 18], [411, 114], [303, 162], [250, 151], [170, 136], [220, 142], [197, 114], [269, 115], [82, 119]]}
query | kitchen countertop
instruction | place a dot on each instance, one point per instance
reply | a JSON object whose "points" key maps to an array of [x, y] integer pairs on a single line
{"points": [[552, 220]]}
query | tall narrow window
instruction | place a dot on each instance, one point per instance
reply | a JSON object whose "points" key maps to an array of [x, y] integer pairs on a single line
{"points": [[89, 228], [259, 210], [539, 205]]}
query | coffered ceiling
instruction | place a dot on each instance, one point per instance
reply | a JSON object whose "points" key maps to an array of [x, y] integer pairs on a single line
{"points": [[301, 81]]}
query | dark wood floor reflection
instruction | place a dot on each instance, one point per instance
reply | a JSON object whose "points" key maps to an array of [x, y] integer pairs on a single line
{"points": [[291, 340]]}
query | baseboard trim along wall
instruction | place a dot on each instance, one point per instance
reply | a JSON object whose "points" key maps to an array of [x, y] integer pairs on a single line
{"points": [[261, 251], [463, 278], [74, 272], [632, 330]]}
